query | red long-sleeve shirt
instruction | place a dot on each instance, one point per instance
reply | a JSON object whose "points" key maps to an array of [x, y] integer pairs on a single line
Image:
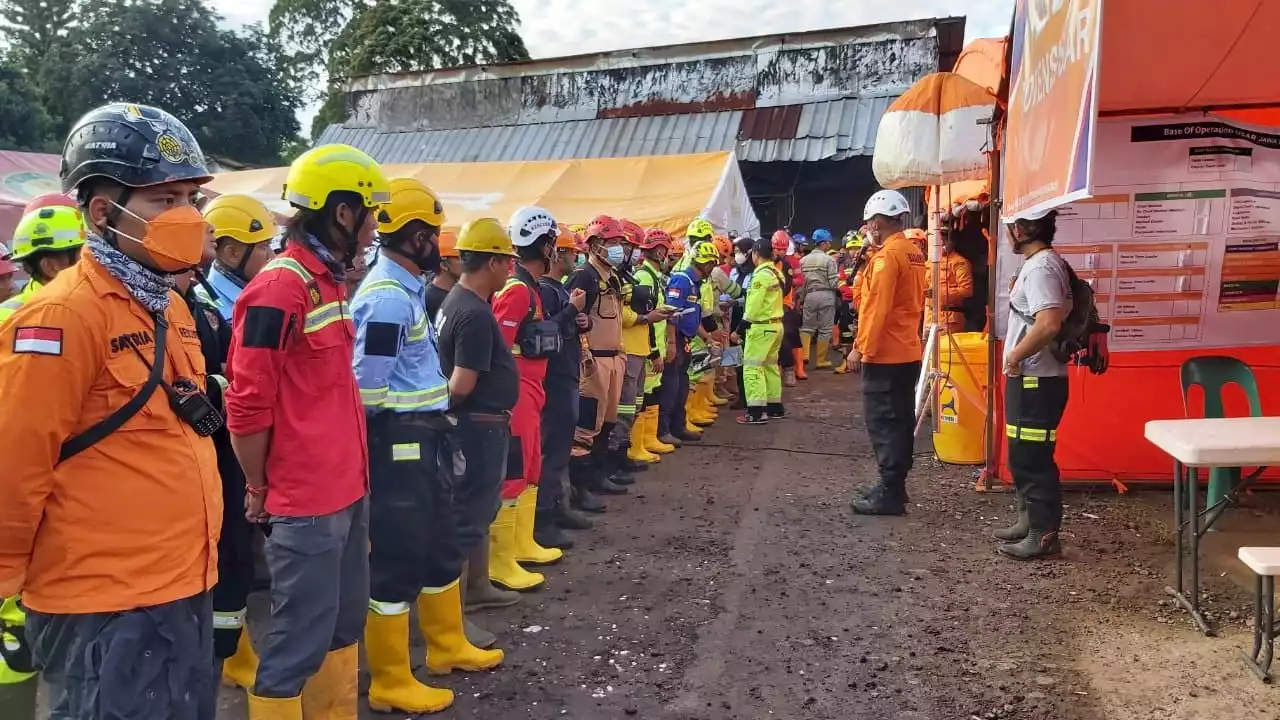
{"points": [[290, 371], [511, 309]]}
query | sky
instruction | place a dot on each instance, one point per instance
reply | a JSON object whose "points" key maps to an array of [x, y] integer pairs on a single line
{"points": [[553, 28]]}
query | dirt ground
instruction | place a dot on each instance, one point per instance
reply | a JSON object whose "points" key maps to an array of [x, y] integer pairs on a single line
{"points": [[734, 583]]}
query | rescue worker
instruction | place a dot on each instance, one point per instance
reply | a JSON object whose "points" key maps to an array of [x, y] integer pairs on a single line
{"points": [[560, 414], [656, 250], [887, 351], [484, 386], [762, 315], [592, 467], [7, 270], [740, 273], [18, 680], [641, 312], [720, 293], [445, 276], [298, 427], [682, 295], [699, 231], [821, 277], [46, 242], [532, 338], [413, 553], [98, 578], [793, 356], [1035, 387], [955, 277], [243, 230]]}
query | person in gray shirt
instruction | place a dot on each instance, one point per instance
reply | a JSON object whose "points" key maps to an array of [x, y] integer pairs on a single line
{"points": [[1035, 388], [819, 291]]}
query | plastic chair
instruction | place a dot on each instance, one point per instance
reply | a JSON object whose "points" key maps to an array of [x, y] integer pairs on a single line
{"points": [[1213, 373]]}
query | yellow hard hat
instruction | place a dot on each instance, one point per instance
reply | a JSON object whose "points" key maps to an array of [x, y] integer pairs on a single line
{"points": [[241, 218], [327, 169], [578, 229], [486, 235], [411, 199], [48, 229], [706, 253], [700, 228]]}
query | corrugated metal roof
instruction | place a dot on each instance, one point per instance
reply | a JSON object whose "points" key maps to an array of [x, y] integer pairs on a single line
{"points": [[834, 130]]}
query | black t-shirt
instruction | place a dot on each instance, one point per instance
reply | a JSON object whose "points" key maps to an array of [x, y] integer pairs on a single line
{"points": [[470, 338], [435, 298]]}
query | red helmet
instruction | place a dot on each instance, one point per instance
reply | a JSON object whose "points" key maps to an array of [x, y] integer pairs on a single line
{"points": [[656, 237], [635, 233], [781, 241], [604, 227], [48, 200]]}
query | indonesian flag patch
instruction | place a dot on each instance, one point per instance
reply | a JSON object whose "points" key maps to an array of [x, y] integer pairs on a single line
{"points": [[38, 341]]}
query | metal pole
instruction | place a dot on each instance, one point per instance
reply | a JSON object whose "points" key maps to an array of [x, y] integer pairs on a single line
{"points": [[994, 369]]}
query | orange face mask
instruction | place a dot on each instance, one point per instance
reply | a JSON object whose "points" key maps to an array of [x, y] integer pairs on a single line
{"points": [[174, 239]]}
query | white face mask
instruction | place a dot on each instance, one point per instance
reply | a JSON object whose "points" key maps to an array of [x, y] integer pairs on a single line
{"points": [[739, 257]]}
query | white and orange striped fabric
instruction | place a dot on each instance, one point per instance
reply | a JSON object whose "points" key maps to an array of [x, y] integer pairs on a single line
{"points": [[933, 134]]}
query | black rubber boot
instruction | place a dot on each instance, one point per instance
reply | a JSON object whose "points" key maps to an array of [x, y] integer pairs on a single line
{"points": [[616, 468], [580, 495], [1037, 544], [775, 411], [606, 486], [685, 437], [547, 532], [626, 463], [865, 489], [1018, 530], [570, 520], [880, 501], [601, 468]]}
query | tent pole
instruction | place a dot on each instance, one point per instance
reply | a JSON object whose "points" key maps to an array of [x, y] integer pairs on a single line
{"points": [[995, 369]]}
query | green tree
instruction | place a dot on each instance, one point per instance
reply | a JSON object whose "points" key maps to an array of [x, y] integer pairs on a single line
{"points": [[348, 38], [230, 88], [24, 125], [33, 28]]}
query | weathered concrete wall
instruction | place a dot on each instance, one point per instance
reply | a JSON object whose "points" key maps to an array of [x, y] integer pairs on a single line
{"points": [[658, 83]]}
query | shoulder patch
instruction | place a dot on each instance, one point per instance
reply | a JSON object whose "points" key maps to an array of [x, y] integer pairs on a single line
{"points": [[313, 291], [263, 328], [382, 339], [37, 341]]}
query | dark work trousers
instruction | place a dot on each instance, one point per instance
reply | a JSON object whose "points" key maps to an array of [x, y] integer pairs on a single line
{"points": [[1033, 408], [319, 595], [559, 418], [483, 443], [675, 389], [153, 662], [235, 559], [412, 540], [888, 404], [791, 322]]}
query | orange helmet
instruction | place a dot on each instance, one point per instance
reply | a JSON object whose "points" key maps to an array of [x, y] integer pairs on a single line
{"points": [[723, 246], [448, 244], [635, 233], [605, 228], [567, 239], [656, 237], [781, 241], [677, 249]]}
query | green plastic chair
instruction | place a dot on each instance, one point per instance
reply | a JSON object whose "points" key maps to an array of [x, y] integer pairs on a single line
{"points": [[1213, 373]]}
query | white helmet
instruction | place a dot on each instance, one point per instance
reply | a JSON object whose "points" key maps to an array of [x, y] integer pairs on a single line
{"points": [[530, 223], [889, 203]]}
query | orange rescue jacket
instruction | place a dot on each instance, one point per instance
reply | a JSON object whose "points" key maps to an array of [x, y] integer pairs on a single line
{"points": [[892, 304]]}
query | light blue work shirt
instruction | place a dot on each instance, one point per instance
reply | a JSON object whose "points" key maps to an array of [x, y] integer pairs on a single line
{"points": [[226, 285], [397, 363]]}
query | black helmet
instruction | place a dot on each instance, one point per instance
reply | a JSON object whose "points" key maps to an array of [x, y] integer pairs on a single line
{"points": [[134, 145]]}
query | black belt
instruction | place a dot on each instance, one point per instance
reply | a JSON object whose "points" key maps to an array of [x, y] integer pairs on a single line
{"points": [[952, 308], [487, 418], [605, 353], [434, 420]]}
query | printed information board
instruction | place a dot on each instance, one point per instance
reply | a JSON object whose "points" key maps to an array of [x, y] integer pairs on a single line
{"points": [[1181, 239]]}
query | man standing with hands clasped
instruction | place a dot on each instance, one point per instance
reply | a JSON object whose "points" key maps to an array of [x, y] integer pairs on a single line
{"points": [[1035, 393]]}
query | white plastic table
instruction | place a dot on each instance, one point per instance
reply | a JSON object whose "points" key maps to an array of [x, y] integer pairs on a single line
{"points": [[1196, 443]]}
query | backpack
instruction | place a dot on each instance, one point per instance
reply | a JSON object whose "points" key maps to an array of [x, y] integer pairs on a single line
{"points": [[1082, 337]]}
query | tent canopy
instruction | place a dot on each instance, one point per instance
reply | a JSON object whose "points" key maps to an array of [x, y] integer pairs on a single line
{"points": [[1180, 55], [23, 176], [982, 61], [666, 191]]}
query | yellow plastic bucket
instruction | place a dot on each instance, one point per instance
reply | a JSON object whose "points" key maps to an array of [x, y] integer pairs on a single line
{"points": [[958, 439]]}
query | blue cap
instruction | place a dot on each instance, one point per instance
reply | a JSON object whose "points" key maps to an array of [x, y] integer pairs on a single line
{"points": [[822, 235]]}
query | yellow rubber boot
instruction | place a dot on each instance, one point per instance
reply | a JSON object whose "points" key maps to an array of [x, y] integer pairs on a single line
{"points": [[440, 617], [241, 669], [261, 708], [651, 441], [803, 362], [331, 694], [392, 686], [716, 398], [822, 348], [693, 411], [707, 396], [504, 571], [638, 452], [528, 551], [798, 356]]}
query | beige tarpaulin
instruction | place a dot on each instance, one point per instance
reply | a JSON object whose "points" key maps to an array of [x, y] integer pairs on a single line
{"points": [[664, 191]]}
